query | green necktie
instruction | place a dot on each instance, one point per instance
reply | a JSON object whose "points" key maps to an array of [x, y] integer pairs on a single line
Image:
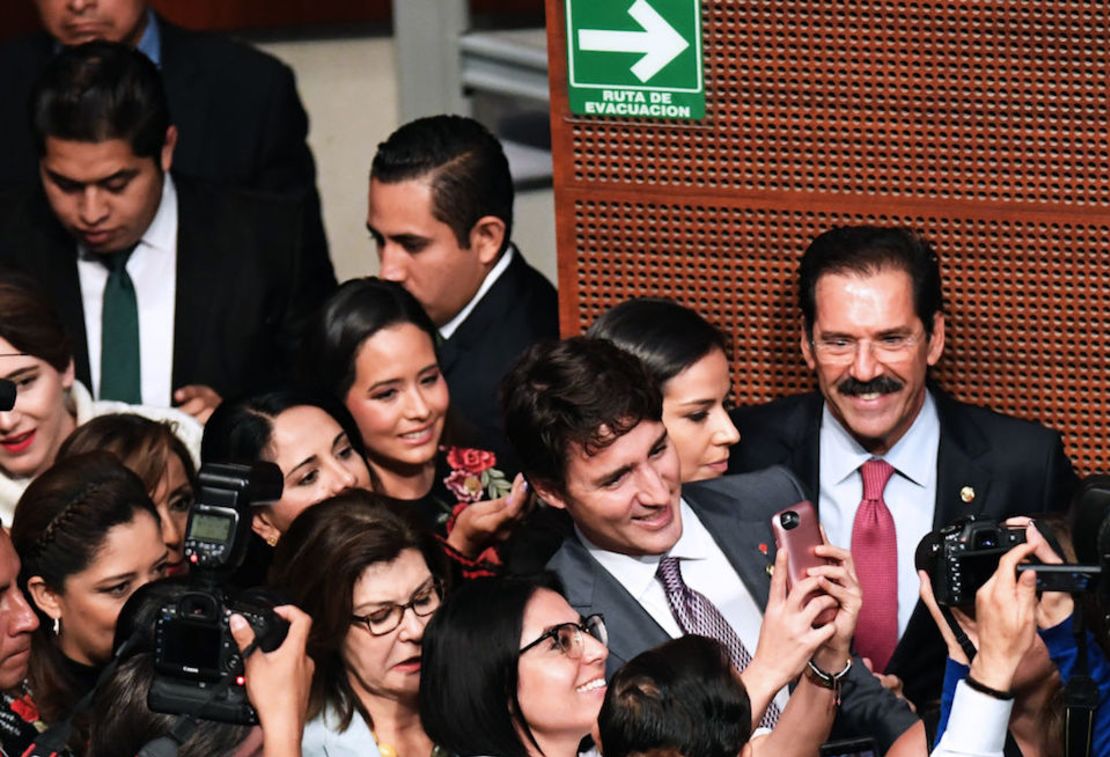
{"points": [[119, 333]]}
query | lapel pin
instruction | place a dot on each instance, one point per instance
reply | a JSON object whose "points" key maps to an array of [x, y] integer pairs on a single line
{"points": [[967, 494], [763, 548]]}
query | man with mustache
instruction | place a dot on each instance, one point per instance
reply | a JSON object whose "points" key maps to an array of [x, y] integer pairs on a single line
{"points": [[887, 455]]}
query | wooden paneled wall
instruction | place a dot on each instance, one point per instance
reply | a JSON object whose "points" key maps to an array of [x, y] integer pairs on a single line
{"points": [[982, 125]]}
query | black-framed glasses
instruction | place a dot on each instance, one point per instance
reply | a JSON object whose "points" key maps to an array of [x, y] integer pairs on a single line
{"points": [[568, 636], [423, 602]]}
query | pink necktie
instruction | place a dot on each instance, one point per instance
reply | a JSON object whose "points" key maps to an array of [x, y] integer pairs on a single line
{"points": [[695, 614], [875, 551]]}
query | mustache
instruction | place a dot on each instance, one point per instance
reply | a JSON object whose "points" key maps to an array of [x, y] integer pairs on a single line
{"points": [[879, 385]]}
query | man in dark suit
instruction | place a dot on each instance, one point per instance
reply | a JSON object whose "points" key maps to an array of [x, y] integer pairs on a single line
{"points": [[586, 421], [441, 213], [239, 120], [872, 326], [212, 275]]}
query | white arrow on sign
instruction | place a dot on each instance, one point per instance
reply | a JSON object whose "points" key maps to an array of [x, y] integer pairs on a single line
{"points": [[659, 41]]}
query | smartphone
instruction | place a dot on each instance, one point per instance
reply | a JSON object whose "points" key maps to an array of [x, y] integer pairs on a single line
{"points": [[797, 532]]}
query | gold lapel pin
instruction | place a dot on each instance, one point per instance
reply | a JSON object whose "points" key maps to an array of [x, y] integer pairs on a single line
{"points": [[967, 494]]}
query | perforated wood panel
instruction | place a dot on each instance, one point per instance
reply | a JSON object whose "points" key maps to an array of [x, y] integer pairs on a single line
{"points": [[984, 126]]}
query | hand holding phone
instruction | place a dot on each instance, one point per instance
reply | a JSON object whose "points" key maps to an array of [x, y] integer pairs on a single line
{"points": [[797, 533]]}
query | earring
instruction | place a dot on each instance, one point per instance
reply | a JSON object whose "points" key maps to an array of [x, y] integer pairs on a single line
{"points": [[57, 625], [272, 540]]}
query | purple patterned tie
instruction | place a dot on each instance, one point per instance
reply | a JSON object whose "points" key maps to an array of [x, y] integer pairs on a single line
{"points": [[697, 615]]}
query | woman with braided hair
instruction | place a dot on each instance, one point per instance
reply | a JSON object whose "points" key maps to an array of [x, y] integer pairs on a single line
{"points": [[88, 536]]}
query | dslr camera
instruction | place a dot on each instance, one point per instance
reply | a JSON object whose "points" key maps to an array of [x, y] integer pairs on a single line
{"points": [[198, 668], [961, 557]]}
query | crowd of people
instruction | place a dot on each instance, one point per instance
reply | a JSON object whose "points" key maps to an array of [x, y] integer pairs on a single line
{"points": [[488, 540]]}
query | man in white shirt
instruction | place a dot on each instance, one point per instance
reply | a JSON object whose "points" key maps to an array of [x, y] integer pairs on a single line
{"points": [[441, 214], [173, 292], [872, 325], [586, 422]]}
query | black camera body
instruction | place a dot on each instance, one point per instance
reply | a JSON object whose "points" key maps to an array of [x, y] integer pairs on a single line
{"points": [[198, 669], [961, 557]]}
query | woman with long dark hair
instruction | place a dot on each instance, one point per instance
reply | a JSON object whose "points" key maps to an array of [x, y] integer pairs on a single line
{"points": [[373, 348], [687, 357], [88, 537]]}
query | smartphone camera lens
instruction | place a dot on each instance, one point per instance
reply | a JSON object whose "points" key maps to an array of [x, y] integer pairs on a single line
{"points": [[789, 520]]}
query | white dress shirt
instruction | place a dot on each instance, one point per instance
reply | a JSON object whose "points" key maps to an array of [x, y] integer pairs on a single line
{"points": [[449, 328], [704, 569], [153, 271], [977, 726], [910, 495]]}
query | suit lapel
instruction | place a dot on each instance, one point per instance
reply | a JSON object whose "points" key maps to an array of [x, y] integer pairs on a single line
{"points": [[960, 473], [590, 588], [485, 314], [199, 275], [748, 545]]}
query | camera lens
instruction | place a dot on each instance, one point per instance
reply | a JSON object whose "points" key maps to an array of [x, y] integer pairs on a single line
{"points": [[789, 519]]}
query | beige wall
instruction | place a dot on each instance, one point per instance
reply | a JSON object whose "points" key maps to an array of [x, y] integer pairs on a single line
{"points": [[349, 90]]}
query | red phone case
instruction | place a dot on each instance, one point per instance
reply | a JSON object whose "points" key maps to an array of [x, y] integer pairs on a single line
{"points": [[798, 542]]}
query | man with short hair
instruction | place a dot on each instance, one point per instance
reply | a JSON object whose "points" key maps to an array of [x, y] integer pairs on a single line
{"points": [[239, 118], [888, 456], [659, 559], [171, 291], [441, 214], [18, 622]]}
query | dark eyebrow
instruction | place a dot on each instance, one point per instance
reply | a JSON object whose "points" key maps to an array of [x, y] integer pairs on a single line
{"points": [[18, 374], [125, 173], [382, 603], [696, 403], [115, 579], [308, 460]]}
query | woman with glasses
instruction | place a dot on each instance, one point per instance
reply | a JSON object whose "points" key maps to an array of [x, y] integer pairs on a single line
{"points": [[511, 670], [370, 577]]}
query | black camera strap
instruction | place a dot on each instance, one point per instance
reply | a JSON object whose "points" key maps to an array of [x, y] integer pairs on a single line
{"points": [[961, 638], [1080, 696]]}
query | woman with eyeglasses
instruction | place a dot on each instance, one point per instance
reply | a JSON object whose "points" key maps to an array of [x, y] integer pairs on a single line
{"points": [[512, 670], [369, 575]]}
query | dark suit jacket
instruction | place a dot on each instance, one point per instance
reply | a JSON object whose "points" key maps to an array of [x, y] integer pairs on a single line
{"points": [[238, 307], [737, 511], [1014, 466], [521, 308], [240, 123]]}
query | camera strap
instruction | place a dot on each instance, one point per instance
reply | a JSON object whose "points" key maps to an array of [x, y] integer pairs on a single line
{"points": [[1080, 696], [961, 638]]}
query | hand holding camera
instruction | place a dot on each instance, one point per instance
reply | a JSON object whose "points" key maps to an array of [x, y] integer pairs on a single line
{"points": [[1005, 612], [278, 681]]}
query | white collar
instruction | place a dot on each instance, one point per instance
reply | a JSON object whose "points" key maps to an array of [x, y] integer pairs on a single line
{"points": [[449, 328], [910, 455], [637, 572]]}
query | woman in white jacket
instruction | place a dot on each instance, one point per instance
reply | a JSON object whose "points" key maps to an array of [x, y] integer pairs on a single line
{"points": [[35, 355]]}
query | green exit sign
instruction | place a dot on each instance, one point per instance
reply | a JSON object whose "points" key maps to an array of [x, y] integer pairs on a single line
{"points": [[635, 58]]}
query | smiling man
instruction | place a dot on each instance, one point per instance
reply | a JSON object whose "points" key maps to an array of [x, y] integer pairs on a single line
{"points": [[586, 422], [888, 455], [172, 291], [441, 215]]}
